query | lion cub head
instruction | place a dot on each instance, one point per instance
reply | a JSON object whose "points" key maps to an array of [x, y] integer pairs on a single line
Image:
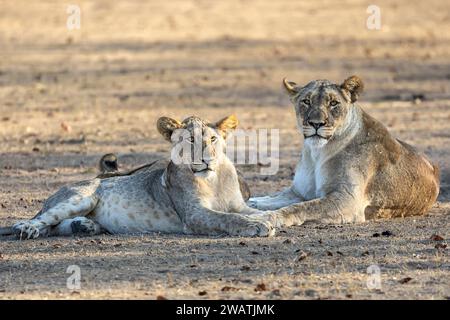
{"points": [[322, 107], [196, 142]]}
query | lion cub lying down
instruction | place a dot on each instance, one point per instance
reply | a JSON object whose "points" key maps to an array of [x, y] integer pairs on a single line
{"points": [[194, 197], [351, 169]]}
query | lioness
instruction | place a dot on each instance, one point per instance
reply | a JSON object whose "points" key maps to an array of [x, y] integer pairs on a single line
{"points": [[200, 197], [109, 167], [351, 169]]}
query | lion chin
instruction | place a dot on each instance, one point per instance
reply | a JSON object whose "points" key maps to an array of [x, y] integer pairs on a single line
{"points": [[315, 141]]}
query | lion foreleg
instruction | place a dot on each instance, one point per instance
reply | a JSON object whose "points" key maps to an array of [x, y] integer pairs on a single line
{"points": [[277, 201], [336, 208], [211, 222]]}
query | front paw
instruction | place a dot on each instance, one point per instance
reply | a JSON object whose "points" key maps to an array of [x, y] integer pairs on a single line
{"points": [[28, 229], [269, 216], [252, 203], [257, 202], [260, 203], [256, 228]]}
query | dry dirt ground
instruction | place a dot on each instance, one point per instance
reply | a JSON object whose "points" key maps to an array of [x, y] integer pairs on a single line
{"points": [[69, 96]]}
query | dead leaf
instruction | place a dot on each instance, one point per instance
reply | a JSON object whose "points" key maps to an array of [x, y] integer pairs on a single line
{"points": [[202, 293], [436, 237], [261, 287], [227, 289], [405, 280], [365, 253], [440, 246]]}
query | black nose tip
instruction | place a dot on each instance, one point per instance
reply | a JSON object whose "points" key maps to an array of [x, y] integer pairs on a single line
{"points": [[316, 125]]}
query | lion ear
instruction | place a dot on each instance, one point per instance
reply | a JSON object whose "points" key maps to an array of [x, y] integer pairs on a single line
{"points": [[291, 87], [166, 126], [354, 86], [226, 124]]}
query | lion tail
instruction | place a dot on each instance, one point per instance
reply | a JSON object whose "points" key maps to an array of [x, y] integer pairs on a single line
{"points": [[6, 231]]}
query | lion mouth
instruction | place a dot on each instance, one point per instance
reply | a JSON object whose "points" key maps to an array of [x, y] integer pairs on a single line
{"points": [[197, 168], [317, 135]]}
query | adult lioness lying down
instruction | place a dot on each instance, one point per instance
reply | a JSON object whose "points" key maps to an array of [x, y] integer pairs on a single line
{"points": [[351, 169], [201, 197]]}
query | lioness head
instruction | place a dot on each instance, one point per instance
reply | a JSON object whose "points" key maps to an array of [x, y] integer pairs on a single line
{"points": [[322, 106], [196, 142]]}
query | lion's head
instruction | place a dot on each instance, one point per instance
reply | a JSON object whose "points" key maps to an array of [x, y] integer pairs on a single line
{"points": [[322, 107], [196, 142]]}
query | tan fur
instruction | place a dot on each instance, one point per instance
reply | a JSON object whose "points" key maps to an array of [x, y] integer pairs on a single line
{"points": [[200, 197], [351, 168]]}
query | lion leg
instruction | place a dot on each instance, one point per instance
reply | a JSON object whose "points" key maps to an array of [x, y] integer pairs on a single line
{"points": [[280, 200], [79, 226], [77, 205], [336, 208], [211, 222]]}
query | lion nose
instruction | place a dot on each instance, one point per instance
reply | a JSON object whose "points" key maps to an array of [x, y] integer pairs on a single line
{"points": [[316, 124]]}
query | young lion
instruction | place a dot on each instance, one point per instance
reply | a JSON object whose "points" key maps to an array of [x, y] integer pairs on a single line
{"points": [[194, 197], [351, 169]]}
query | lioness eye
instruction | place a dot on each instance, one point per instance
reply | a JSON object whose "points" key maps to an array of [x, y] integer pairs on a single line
{"points": [[213, 139], [334, 103], [190, 140], [306, 101]]}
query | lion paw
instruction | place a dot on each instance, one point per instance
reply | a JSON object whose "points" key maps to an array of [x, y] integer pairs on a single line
{"points": [[29, 229], [84, 226], [270, 217], [257, 228], [252, 203]]}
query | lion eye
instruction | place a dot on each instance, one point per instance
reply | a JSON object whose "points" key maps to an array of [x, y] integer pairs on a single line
{"points": [[190, 140], [213, 139], [334, 103], [306, 101]]}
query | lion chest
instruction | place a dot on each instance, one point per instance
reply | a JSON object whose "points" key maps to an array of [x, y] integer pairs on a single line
{"points": [[308, 179]]}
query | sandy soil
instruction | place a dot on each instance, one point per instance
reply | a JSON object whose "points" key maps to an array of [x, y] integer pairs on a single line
{"points": [[130, 63]]}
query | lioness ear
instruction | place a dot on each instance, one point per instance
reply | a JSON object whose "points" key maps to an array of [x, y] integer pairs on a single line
{"points": [[166, 126], [291, 87], [354, 86], [227, 123]]}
